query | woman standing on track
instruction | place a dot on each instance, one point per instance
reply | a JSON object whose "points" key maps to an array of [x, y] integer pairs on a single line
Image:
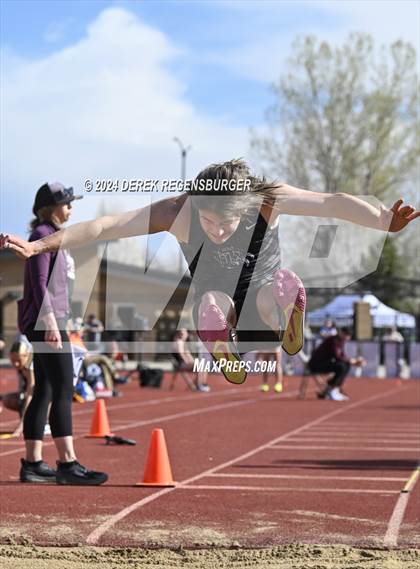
{"points": [[232, 249], [43, 314]]}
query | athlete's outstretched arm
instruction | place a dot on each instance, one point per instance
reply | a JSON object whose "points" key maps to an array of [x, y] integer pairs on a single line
{"points": [[295, 201], [154, 218]]}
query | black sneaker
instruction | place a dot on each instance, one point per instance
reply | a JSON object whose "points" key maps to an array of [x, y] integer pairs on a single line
{"points": [[74, 474], [36, 472]]}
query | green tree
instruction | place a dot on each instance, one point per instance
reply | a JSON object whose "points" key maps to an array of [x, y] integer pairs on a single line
{"points": [[382, 282], [345, 119]]}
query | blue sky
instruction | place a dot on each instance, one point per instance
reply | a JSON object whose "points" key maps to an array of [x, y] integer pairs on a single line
{"points": [[200, 28], [99, 89]]}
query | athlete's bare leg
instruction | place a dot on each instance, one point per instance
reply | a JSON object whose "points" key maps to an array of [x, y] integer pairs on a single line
{"points": [[222, 301], [287, 293], [216, 318], [267, 307]]}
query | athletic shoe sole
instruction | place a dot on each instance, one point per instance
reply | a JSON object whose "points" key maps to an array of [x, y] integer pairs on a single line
{"points": [[222, 352], [82, 481], [33, 479], [293, 311]]}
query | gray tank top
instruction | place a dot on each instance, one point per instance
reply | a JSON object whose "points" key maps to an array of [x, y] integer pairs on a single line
{"points": [[246, 261]]}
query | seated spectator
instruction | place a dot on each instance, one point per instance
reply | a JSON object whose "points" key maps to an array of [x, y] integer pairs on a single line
{"points": [[21, 359], [96, 369], [180, 352], [185, 360], [92, 332], [330, 357]]}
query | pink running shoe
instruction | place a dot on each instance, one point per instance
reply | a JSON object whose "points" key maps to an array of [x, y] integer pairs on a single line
{"points": [[214, 331], [290, 296], [212, 325]]}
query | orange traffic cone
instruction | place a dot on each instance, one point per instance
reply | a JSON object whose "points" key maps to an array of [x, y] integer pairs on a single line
{"points": [[100, 424], [158, 470]]}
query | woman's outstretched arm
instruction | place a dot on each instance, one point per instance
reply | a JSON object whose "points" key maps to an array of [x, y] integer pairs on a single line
{"points": [[295, 201], [154, 218]]}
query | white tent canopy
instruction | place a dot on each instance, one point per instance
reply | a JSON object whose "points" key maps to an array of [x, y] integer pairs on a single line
{"points": [[342, 307]]}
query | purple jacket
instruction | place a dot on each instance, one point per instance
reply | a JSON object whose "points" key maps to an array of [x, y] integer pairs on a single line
{"points": [[332, 348], [42, 294]]}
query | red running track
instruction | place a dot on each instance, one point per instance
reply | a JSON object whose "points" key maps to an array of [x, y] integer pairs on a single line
{"points": [[253, 470]]}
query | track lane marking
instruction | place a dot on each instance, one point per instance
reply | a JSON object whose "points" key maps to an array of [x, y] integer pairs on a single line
{"points": [[149, 402], [96, 534], [383, 433], [321, 447], [174, 416], [397, 516], [282, 489], [366, 432], [304, 439], [308, 477], [401, 424], [411, 482]]}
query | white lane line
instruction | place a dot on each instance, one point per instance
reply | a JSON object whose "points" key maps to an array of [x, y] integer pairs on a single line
{"points": [[309, 477], [348, 431], [303, 439], [399, 424], [96, 534], [363, 434], [183, 414], [151, 402], [385, 427], [393, 530], [369, 432], [394, 525], [171, 398], [322, 447], [284, 489]]}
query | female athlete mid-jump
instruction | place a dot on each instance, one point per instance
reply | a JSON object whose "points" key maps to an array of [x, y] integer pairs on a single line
{"points": [[234, 226]]}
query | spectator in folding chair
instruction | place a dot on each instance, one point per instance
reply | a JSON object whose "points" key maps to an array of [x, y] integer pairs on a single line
{"points": [[183, 361], [82, 359], [21, 359]]}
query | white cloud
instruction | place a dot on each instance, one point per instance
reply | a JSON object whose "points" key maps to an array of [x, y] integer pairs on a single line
{"points": [[106, 107]]}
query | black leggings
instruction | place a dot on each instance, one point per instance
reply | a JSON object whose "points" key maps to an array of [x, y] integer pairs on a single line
{"points": [[340, 369], [53, 370]]}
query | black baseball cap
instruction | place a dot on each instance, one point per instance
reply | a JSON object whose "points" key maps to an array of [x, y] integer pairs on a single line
{"points": [[53, 193]]}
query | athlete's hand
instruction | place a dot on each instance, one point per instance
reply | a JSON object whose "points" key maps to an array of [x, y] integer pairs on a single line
{"points": [[53, 339], [402, 216], [21, 248], [18, 431]]}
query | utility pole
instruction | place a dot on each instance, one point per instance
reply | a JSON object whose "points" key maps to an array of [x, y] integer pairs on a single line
{"points": [[184, 150]]}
